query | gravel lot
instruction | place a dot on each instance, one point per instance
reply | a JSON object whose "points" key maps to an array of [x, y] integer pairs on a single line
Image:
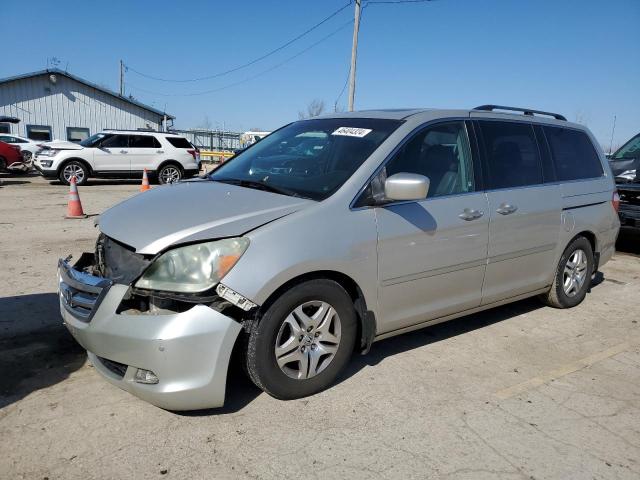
{"points": [[522, 391]]}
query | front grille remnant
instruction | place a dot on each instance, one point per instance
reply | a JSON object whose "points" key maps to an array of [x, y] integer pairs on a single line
{"points": [[80, 292], [116, 368]]}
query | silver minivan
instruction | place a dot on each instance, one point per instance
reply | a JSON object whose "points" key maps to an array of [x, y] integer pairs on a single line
{"points": [[332, 233]]}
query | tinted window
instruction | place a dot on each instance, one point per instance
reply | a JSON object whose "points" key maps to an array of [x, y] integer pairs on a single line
{"points": [[513, 159], [440, 153], [573, 154], [116, 141], [309, 158], [179, 142], [143, 141], [5, 128], [629, 150]]}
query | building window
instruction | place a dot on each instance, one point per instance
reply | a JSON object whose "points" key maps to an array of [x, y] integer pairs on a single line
{"points": [[39, 132], [5, 128], [77, 134]]}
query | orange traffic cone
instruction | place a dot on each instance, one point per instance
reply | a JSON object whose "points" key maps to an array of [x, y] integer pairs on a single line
{"points": [[145, 182], [74, 207]]}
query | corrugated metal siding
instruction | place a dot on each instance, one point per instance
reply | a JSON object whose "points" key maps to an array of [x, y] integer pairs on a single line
{"points": [[68, 103]]}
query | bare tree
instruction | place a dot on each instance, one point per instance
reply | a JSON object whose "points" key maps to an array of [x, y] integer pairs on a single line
{"points": [[315, 108]]}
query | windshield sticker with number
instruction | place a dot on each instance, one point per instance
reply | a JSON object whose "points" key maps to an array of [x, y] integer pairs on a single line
{"points": [[352, 132]]}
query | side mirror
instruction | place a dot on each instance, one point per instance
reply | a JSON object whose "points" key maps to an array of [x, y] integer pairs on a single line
{"points": [[406, 186]]}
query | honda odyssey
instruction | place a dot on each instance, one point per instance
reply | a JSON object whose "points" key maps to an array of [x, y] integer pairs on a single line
{"points": [[330, 234]]}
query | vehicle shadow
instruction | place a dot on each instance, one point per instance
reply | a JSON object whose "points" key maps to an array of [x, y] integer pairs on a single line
{"points": [[102, 182], [629, 241], [6, 183], [36, 351]]}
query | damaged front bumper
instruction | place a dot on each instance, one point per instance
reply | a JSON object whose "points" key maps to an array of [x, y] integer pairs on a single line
{"points": [[188, 352]]}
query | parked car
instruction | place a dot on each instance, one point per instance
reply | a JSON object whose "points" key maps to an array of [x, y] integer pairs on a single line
{"points": [[27, 146], [393, 221], [626, 161], [120, 154], [10, 158]]}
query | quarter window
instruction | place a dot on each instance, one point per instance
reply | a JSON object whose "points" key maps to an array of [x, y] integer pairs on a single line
{"points": [[440, 153], [573, 154], [39, 132], [143, 141], [513, 159]]}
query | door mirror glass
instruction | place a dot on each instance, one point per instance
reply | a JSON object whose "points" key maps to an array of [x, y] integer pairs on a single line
{"points": [[406, 186]]}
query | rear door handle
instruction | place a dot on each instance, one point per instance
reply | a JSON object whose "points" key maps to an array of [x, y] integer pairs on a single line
{"points": [[124, 151], [470, 214], [159, 151], [506, 209]]}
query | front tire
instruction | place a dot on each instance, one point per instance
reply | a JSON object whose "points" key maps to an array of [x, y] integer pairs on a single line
{"points": [[169, 173], [573, 275], [303, 341], [71, 169]]}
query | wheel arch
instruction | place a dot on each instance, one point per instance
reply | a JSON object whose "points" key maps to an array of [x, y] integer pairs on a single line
{"points": [[366, 318], [77, 159], [169, 161]]}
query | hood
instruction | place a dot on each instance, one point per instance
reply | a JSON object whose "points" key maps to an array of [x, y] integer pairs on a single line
{"points": [[62, 145], [191, 211]]}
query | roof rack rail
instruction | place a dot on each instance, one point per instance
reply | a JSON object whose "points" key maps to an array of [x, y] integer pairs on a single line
{"points": [[526, 111]]}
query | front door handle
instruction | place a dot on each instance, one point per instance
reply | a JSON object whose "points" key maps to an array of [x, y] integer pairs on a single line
{"points": [[124, 151], [506, 209], [159, 151], [470, 214]]}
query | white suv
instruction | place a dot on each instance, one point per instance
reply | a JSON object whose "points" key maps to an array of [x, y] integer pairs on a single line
{"points": [[119, 154]]}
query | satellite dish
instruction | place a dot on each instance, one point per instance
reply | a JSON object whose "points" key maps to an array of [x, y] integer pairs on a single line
{"points": [[53, 79]]}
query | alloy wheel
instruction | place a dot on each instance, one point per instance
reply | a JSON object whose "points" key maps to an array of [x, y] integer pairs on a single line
{"points": [[308, 340], [73, 170], [575, 273], [169, 175]]}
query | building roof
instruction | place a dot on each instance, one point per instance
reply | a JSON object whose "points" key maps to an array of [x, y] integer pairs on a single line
{"points": [[57, 71]]}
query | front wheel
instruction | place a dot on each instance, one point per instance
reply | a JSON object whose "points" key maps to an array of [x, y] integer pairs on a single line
{"points": [[76, 169], [573, 275], [169, 174], [303, 341]]}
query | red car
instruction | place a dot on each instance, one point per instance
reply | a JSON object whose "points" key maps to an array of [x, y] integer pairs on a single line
{"points": [[10, 157]]}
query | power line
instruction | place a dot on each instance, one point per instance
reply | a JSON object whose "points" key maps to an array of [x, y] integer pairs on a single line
{"points": [[240, 67], [249, 78]]}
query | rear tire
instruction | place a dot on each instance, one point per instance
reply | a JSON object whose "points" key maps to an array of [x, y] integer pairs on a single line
{"points": [[290, 363], [169, 173], [73, 168], [573, 275]]}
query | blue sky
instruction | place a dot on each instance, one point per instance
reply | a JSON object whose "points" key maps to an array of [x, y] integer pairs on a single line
{"points": [[576, 57]]}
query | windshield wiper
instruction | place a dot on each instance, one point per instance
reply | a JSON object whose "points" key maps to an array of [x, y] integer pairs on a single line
{"points": [[258, 186]]}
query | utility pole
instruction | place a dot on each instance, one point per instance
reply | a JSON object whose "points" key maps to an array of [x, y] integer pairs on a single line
{"points": [[612, 131], [354, 52], [121, 78]]}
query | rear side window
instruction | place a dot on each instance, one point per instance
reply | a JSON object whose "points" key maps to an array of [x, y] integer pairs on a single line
{"points": [[573, 154], [179, 142], [513, 159], [143, 141]]}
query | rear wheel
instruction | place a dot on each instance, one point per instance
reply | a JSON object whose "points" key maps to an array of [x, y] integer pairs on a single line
{"points": [[74, 168], [303, 340], [169, 173], [573, 275]]}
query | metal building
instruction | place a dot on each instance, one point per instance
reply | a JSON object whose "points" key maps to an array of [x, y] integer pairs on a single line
{"points": [[56, 105]]}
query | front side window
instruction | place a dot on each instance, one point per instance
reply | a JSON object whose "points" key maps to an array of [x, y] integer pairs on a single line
{"points": [[629, 150], [143, 141], [94, 139], [309, 158], [77, 134], [573, 154], [39, 132], [116, 141], [513, 159], [440, 153]]}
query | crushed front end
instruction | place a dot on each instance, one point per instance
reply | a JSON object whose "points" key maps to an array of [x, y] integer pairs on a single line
{"points": [[169, 350]]}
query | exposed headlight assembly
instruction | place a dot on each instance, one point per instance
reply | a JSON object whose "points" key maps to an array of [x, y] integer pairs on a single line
{"points": [[194, 268], [629, 175], [48, 152]]}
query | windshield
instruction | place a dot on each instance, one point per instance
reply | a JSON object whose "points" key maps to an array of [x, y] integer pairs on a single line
{"points": [[629, 150], [309, 158], [93, 139]]}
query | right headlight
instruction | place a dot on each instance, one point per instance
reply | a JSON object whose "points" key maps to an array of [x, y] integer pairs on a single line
{"points": [[194, 268]]}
